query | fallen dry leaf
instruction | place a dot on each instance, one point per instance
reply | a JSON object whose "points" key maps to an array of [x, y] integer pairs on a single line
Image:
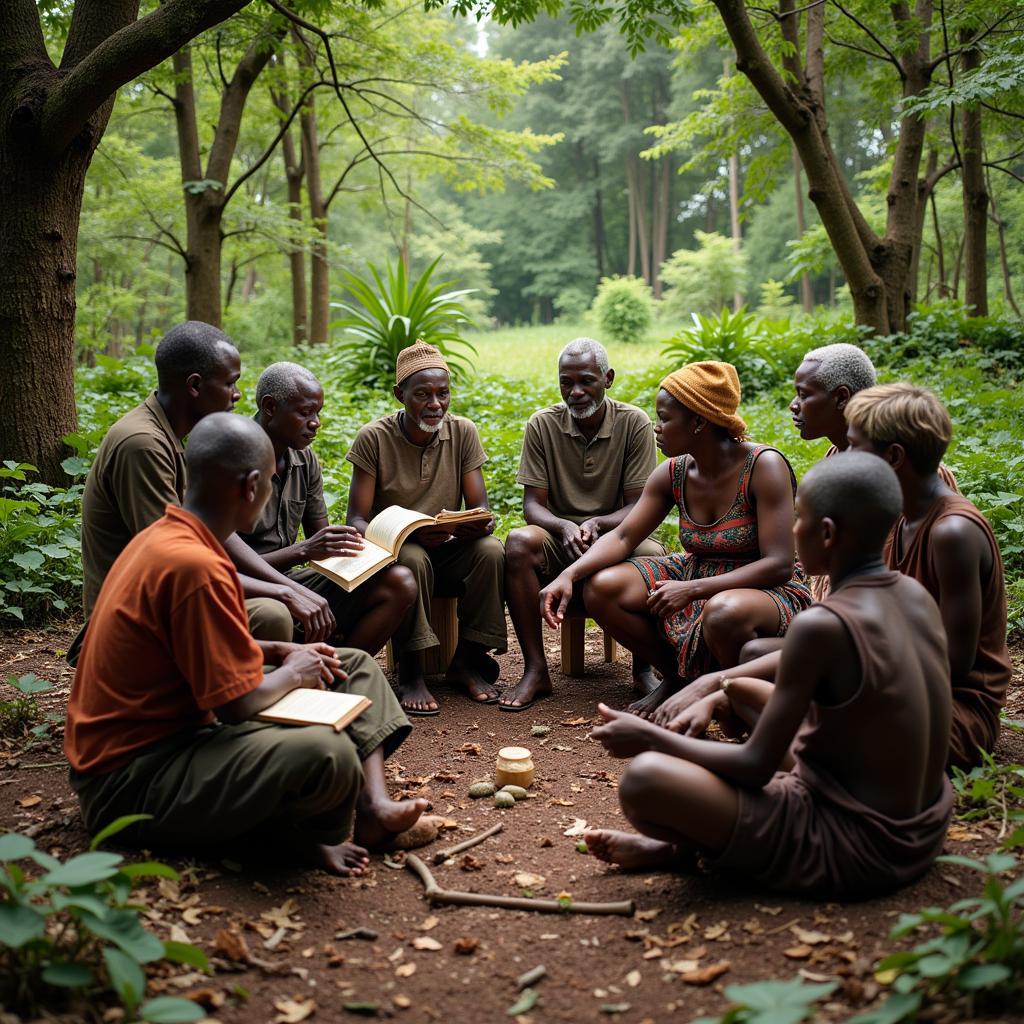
{"points": [[466, 945], [959, 834], [207, 998], [808, 937], [402, 1002], [504, 858], [30, 801], [470, 863], [577, 828], [706, 975], [772, 911], [429, 924], [528, 880], [577, 721], [405, 970], [291, 1011], [647, 915], [555, 802], [798, 952], [473, 749], [178, 934], [633, 979], [426, 942], [654, 953], [231, 945], [716, 931]]}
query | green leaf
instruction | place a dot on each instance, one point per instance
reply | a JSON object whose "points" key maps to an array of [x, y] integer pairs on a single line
{"points": [[20, 924], [170, 1010], [123, 928], [68, 975], [75, 465], [898, 1007], [80, 901], [184, 953], [15, 847], [126, 977], [526, 1002], [117, 825], [84, 869], [29, 560], [149, 869], [29, 684], [982, 976]]}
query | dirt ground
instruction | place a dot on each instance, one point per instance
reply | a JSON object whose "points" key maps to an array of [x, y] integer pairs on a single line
{"points": [[691, 935]]}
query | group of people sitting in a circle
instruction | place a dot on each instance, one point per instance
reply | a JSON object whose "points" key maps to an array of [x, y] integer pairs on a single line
{"points": [[853, 629]]}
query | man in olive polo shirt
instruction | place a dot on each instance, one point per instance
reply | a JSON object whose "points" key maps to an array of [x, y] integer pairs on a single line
{"points": [[426, 459], [584, 465], [289, 400], [140, 469]]}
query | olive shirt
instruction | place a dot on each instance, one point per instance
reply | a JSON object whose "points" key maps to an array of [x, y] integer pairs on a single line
{"points": [[585, 478], [139, 470], [427, 478]]}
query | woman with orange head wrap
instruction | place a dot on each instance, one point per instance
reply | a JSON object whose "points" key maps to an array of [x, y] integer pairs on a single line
{"points": [[735, 579]]}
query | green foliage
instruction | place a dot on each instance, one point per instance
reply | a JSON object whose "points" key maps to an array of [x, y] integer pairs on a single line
{"points": [[391, 316], [21, 715], [976, 961], [993, 791], [703, 279], [40, 562], [623, 308], [776, 303], [771, 1002], [70, 931]]}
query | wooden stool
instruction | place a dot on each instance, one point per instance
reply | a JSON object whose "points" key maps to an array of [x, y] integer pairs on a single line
{"points": [[445, 623], [573, 630]]}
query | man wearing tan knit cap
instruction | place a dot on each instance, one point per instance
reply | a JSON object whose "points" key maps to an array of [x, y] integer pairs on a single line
{"points": [[426, 459]]}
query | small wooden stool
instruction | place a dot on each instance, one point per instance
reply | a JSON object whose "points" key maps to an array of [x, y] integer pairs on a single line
{"points": [[444, 621], [573, 630]]}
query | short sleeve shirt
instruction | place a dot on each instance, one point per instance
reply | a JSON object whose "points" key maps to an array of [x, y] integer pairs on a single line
{"points": [[587, 478], [296, 499], [427, 478], [168, 641], [139, 470]]}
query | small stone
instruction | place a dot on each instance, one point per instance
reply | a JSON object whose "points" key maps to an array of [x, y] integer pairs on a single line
{"points": [[504, 800], [479, 789], [540, 730], [517, 792]]}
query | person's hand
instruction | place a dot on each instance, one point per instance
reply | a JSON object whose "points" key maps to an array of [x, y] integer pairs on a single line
{"points": [[470, 531], [311, 611], [331, 669], [554, 599], [571, 540], [694, 721], [432, 536], [624, 734], [589, 532], [331, 541], [679, 702], [307, 665], [670, 597]]}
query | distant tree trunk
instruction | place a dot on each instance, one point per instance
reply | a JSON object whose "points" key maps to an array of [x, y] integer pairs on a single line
{"points": [[1003, 262], [294, 173], [958, 267], [319, 277], [975, 194], [598, 219], [940, 252], [637, 205], [663, 209], [806, 292], [734, 205]]}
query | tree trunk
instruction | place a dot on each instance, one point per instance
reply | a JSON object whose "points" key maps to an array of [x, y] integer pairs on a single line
{"points": [[319, 281], [598, 219], [1003, 262], [975, 193], [663, 207], [806, 293], [940, 254], [294, 173]]}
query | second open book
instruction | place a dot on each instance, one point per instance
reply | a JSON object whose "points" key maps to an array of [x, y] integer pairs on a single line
{"points": [[385, 535]]}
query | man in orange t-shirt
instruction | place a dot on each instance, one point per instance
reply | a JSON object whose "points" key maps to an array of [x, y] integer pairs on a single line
{"points": [[161, 714]]}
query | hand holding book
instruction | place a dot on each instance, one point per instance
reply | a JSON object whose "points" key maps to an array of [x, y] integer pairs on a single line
{"points": [[334, 542]]}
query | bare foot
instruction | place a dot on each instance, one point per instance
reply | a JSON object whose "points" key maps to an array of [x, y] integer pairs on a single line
{"points": [[645, 679], [415, 698], [629, 850], [345, 859], [379, 821], [535, 683], [645, 706], [467, 678], [487, 667]]}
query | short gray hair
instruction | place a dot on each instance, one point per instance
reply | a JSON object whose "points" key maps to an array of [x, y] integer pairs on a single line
{"points": [[587, 347], [281, 382], [841, 364]]}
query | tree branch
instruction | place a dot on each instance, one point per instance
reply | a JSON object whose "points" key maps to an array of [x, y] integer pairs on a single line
{"points": [[1005, 170], [22, 41], [889, 55]]}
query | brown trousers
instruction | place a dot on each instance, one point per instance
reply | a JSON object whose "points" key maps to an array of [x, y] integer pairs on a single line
{"points": [[259, 781]]}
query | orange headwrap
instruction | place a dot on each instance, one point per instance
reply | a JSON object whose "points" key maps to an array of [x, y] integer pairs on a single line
{"points": [[711, 390]]}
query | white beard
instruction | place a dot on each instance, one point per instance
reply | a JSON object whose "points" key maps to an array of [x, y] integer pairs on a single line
{"points": [[585, 412], [429, 428]]}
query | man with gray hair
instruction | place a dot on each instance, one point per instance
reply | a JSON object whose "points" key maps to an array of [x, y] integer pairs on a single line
{"points": [[584, 464], [289, 400]]}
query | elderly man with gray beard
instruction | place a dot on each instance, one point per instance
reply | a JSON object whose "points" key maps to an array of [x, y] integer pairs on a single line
{"points": [[584, 464]]}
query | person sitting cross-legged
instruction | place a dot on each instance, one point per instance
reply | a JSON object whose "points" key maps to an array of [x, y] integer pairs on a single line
{"points": [[289, 399], [840, 790], [424, 458], [584, 465], [161, 718], [948, 546]]}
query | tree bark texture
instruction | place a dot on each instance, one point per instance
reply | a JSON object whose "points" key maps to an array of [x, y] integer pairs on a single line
{"points": [[319, 271], [51, 120], [806, 293], [975, 192], [294, 172]]}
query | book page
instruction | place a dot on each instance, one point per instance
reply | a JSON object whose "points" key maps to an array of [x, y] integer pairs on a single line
{"points": [[390, 527], [315, 707], [469, 515], [351, 567]]}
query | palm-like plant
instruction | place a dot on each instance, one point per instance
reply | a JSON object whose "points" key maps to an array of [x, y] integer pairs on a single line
{"points": [[389, 316]]}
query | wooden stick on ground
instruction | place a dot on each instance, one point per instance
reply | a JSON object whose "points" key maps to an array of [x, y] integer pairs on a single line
{"points": [[442, 855], [435, 894]]}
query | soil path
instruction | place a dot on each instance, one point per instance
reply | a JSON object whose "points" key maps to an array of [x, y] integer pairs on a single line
{"points": [[691, 936]]}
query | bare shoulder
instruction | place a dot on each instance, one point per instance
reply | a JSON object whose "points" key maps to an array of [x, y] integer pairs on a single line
{"points": [[819, 634], [957, 540]]}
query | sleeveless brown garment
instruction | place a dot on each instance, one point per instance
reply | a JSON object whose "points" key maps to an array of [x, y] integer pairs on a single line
{"points": [[978, 698]]}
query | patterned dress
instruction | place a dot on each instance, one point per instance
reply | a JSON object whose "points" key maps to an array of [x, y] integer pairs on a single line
{"points": [[711, 550]]}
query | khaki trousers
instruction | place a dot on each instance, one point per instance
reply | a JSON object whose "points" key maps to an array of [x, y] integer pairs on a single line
{"points": [[258, 781], [474, 571]]}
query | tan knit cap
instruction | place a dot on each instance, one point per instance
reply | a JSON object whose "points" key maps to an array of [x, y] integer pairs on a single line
{"points": [[419, 356], [711, 390]]}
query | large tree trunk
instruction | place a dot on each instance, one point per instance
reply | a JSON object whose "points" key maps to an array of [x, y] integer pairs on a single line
{"points": [[294, 173], [598, 219], [662, 211], [1004, 264], [319, 277], [975, 193], [806, 293]]}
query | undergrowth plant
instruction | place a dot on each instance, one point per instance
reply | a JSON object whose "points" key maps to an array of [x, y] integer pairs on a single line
{"points": [[22, 716], [976, 962], [771, 1002], [69, 932], [993, 791]]}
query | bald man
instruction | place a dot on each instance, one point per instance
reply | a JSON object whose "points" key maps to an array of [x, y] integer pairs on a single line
{"points": [[289, 400], [161, 718]]}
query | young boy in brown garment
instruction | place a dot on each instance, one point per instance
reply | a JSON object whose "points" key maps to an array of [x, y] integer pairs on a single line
{"points": [[947, 545], [860, 711]]}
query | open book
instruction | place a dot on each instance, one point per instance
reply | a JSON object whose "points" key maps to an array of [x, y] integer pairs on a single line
{"points": [[385, 535], [316, 707]]}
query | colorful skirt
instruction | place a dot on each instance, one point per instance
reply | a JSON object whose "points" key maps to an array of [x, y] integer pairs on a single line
{"points": [[684, 630]]}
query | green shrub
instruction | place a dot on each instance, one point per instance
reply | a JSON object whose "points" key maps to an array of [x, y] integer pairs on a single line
{"points": [[70, 932], [623, 308], [20, 716], [993, 791], [700, 280], [393, 315]]}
